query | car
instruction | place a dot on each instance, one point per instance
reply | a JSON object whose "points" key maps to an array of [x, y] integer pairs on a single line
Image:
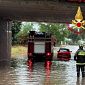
{"points": [[64, 54]]}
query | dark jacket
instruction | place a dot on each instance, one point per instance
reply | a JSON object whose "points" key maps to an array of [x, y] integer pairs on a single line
{"points": [[80, 57]]}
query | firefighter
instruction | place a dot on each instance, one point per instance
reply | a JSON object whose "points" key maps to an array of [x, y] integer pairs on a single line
{"points": [[79, 57]]}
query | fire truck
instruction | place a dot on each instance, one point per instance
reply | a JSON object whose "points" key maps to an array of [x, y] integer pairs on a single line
{"points": [[40, 46]]}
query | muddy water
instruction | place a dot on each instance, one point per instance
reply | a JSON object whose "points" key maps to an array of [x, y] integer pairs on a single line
{"points": [[60, 73]]}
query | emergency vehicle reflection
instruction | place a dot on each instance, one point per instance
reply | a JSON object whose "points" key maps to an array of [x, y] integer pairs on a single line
{"points": [[30, 63], [33, 67], [47, 71], [30, 68]]}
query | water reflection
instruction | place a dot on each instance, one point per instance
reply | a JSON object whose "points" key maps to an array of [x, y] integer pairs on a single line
{"points": [[80, 81], [20, 72], [30, 69], [5, 77], [40, 72], [47, 74]]}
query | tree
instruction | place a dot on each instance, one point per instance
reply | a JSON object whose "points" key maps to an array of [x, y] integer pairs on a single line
{"points": [[22, 36], [58, 30], [15, 29]]}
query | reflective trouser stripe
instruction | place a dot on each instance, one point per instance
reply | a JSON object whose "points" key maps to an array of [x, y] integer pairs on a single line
{"points": [[80, 63]]}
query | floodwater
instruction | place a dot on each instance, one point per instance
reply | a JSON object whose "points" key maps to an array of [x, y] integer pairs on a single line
{"points": [[59, 73]]}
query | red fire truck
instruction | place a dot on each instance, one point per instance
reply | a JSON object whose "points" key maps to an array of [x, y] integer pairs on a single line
{"points": [[40, 46]]}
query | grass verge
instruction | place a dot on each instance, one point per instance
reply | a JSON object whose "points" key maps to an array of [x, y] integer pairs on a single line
{"points": [[18, 50]]}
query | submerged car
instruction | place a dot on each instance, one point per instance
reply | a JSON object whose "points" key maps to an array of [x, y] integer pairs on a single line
{"points": [[64, 54]]}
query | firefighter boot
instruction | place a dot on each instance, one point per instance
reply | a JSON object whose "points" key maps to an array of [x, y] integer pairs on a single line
{"points": [[78, 74], [83, 74]]}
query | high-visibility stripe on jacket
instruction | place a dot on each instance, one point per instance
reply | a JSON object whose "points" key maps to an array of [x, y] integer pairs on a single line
{"points": [[80, 63], [81, 53]]}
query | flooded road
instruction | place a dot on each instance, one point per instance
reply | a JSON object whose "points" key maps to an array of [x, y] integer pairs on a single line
{"points": [[60, 73]]}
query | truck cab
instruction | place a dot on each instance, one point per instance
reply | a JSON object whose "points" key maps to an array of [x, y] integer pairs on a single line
{"points": [[40, 46]]}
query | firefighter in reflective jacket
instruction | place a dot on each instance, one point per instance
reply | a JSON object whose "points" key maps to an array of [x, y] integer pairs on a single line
{"points": [[80, 61]]}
